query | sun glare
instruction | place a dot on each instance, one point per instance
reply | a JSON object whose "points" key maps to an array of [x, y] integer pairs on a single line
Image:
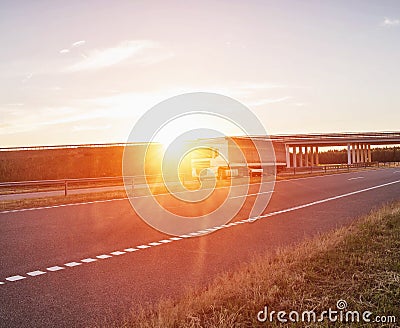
{"points": [[208, 126]]}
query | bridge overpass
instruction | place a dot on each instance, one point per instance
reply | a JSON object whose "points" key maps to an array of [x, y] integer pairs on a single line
{"points": [[304, 148]]}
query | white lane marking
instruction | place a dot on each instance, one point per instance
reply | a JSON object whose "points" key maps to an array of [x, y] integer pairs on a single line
{"points": [[72, 264], [1, 283], [355, 178], [184, 236], [165, 241], [117, 253], [396, 172], [35, 273], [321, 201], [248, 220], [154, 244], [15, 278], [256, 194], [88, 260], [55, 268], [104, 256], [130, 249]]}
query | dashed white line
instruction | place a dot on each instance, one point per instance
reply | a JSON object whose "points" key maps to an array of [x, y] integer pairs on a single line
{"points": [[72, 264], [355, 178], [117, 253], [88, 260], [165, 241], [55, 268], [35, 273], [104, 256], [15, 278], [201, 232], [130, 249]]}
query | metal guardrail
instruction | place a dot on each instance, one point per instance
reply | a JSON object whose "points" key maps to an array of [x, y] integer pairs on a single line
{"points": [[67, 184], [337, 167]]}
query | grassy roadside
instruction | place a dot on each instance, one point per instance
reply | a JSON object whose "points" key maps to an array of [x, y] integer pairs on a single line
{"points": [[359, 264], [9, 205]]}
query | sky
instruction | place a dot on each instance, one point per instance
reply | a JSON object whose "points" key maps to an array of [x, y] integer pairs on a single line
{"points": [[77, 72]]}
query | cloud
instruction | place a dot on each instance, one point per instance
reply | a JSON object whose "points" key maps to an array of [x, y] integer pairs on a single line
{"points": [[78, 43], [64, 51], [390, 22], [27, 78], [269, 101], [111, 56], [90, 127], [260, 86]]}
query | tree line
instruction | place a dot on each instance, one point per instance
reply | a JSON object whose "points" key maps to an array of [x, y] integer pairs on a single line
{"points": [[386, 154]]}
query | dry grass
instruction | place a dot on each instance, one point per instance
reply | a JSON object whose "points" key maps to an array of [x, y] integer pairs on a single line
{"points": [[7, 205], [359, 264]]}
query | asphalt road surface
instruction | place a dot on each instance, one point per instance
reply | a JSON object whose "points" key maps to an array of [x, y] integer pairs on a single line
{"points": [[77, 265]]}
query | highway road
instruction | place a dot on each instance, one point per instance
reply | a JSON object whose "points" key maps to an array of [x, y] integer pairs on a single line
{"points": [[76, 265]]}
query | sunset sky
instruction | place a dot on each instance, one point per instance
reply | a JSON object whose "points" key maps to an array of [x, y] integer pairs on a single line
{"points": [[84, 71]]}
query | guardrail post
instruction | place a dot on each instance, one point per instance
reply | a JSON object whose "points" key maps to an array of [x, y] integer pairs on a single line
{"points": [[65, 188]]}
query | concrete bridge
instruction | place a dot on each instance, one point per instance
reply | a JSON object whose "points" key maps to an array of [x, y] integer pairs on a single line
{"points": [[304, 148]]}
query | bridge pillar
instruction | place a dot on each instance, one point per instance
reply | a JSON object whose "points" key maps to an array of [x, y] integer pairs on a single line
{"points": [[300, 156], [366, 159], [348, 154], [294, 157], [306, 156], [358, 152], [369, 154], [362, 153], [287, 156], [312, 155], [353, 153], [316, 156]]}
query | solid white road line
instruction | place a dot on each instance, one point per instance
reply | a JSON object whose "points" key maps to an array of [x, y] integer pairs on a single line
{"points": [[355, 178], [325, 200]]}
